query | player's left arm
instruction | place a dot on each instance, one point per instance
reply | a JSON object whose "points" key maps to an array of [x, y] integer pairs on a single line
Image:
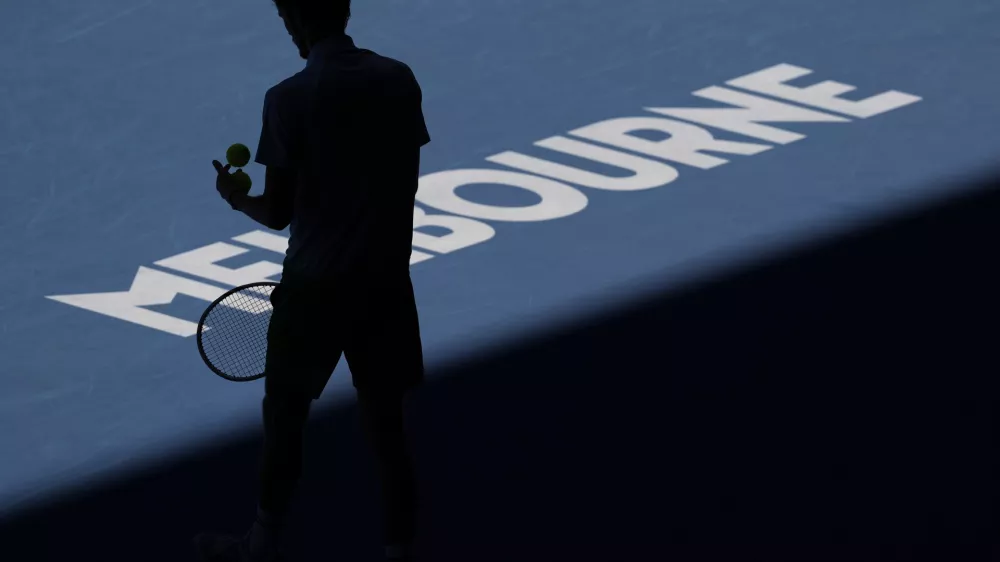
{"points": [[273, 208], [278, 151], [279, 193]]}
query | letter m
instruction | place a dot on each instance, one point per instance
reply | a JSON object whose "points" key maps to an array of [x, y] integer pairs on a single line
{"points": [[149, 288]]}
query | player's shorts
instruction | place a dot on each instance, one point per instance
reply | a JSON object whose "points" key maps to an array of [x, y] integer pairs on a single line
{"points": [[373, 324]]}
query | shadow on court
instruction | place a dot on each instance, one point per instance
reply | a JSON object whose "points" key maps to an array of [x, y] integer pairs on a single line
{"points": [[834, 404]]}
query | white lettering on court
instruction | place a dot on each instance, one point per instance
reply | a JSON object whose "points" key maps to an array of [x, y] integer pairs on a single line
{"points": [[279, 244], [646, 173], [684, 146], [824, 95], [264, 240], [464, 232], [556, 185], [558, 200], [202, 262], [749, 113], [149, 288]]}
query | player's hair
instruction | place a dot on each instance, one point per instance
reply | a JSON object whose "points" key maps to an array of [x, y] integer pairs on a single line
{"points": [[320, 16]]}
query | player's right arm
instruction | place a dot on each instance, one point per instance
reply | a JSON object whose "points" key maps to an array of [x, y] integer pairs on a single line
{"points": [[278, 152], [273, 208]]}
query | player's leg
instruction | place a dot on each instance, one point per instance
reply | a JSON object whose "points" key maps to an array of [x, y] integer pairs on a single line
{"points": [[386, 360], [285, 417], [302, 354], [300, 358], [382, 419]]}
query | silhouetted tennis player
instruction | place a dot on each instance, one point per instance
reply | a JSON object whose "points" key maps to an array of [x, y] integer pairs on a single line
{"points": [[341, 143]]}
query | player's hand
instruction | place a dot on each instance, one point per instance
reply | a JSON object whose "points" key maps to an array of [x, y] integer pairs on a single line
{"points": [[225, 184]]}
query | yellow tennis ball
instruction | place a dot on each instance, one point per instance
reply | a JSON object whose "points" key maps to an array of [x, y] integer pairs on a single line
{"points": [[242, 181], [238, 155]]}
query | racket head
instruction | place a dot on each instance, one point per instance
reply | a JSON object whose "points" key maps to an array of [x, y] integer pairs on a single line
{"points": [[232, 332]]}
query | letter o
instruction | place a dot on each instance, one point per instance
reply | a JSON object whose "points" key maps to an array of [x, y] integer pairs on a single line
{"points": [[559, 200]]}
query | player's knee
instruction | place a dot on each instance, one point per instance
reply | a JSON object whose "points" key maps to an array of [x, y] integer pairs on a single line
{"points": [[382, 399], [286, 407], [382, 409]]}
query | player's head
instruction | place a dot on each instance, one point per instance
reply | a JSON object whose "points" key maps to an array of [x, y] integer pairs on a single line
{"points": [[310, 21]]}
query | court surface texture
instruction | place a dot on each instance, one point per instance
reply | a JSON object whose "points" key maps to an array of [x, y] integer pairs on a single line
{"points": [[698, 279]]}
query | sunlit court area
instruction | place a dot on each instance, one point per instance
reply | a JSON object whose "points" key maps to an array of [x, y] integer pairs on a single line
{"points": [[697, 280]]}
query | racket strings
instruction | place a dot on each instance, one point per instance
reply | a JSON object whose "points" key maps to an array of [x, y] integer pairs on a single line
{"points": [[234, 335]]}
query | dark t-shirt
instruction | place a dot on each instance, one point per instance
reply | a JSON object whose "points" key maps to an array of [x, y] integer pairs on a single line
{"points": [[350, 125]]}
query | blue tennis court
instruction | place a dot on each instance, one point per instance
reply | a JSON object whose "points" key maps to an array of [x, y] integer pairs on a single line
{"points": [[584, 154]]}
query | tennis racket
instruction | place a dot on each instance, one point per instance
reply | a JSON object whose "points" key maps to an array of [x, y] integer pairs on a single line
{"points": [[232, 333]]}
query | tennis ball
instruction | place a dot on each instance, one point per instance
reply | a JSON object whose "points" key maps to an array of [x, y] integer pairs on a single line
{"points": [[238, 155], [242, 181]]}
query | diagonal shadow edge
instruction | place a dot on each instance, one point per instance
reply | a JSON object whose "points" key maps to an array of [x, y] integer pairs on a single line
{"points": [[835, 397]]}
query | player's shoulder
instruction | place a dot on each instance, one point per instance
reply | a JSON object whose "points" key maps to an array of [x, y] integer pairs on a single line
{"points": [[390, 67], [288, 90]]}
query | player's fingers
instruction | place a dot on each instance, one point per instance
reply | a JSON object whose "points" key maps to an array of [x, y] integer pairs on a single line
{"points": [[219, 167]]}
